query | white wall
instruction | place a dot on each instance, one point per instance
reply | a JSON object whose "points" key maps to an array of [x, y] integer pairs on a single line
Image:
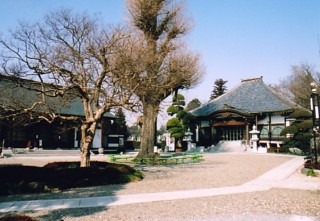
{"points": [[97, 139], [275, 119]]}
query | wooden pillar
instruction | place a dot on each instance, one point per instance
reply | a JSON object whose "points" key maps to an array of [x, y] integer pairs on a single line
{"points": [[256, 118], [247, 133], [270, 132], [75, 141]]}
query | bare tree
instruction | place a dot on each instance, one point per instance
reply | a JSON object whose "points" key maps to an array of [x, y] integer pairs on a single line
{"points": [[70, 55], [297, 85], [161, 62]]}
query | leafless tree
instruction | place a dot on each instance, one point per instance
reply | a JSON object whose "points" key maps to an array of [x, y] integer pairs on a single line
{"points": [[297, 85], [157, 56], [24, 104], [73, 56]]}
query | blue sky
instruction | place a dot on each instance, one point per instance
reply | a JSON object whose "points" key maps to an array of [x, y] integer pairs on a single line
{"points": [[237, 39]]}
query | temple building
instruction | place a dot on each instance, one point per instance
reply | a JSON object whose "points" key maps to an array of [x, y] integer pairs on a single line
{"points": [[41, 134], [231, 116]]}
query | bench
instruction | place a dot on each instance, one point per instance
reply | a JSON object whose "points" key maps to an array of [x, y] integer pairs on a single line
{"points": [[270, 144]]}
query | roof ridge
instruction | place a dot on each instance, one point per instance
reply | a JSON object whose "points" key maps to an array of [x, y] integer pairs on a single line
{"points": [[252, 79], [285, 98], [250, 95], [216, 99]]}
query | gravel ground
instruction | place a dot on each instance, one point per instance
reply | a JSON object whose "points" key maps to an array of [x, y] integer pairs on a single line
{"points": [[217, 170], [270, 204]]}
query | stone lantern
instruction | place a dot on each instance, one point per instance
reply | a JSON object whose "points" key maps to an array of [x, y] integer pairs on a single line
{"points": [[254, 137], [188, 138]]}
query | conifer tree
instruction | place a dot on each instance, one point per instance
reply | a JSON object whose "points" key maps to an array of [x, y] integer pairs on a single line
{"points": [[219, 88]]}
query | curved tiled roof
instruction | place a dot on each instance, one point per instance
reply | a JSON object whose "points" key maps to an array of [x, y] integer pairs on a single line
{"points": [[250, 96], [10, 89]]}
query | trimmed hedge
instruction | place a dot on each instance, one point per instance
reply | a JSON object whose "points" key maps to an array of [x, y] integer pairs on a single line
{"points": [[17, 218], [63, 175]]}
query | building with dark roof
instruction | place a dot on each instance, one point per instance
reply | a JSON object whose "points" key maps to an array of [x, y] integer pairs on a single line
{"points": [[231, 116], [15, 95]]}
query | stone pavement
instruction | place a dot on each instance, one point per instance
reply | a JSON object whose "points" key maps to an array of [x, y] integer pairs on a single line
{"points": [[277, 177]]}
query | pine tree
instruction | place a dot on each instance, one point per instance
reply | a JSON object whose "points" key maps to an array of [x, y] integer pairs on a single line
{"points": [[178, 125], [219, 88], [178, 102]]}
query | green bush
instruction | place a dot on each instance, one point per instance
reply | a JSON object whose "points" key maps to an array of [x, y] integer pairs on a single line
{"points": [[175, 128], [172, 110], [289, 130], [301, 114], [136, 145], [132, 145], [31, 179], [300, 130], [17, 217], [304, 125], [311, 172], [301, 141]]}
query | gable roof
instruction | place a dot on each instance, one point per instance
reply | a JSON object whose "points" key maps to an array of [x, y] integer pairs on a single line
{"points": [[250, 96]]}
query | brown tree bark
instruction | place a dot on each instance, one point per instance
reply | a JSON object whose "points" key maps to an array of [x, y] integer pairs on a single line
{"points": [[87, 135], [79, 61], [150, 112], [85, 155]]}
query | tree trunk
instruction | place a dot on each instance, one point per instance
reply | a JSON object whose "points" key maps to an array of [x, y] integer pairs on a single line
{"points": [[87, 135], [85, 154], [150, 112]]}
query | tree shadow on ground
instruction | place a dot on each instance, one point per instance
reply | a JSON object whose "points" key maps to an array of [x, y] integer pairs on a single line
{"points": [[110, 182], [61, 214], [59, 176]]}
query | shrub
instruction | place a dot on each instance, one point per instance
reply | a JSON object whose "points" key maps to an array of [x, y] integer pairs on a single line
{"points": [[311, 172], [63, 175], [301, 114], [136, 145], [289, 130], [304, 125], [175, 128], [301, 141], [300, 130], [17, 218]]}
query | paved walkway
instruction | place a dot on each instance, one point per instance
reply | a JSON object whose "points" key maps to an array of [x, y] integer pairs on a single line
{"points": [[276, 177]]}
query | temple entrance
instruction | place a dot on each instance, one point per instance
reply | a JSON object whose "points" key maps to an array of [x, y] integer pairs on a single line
{"points": [[230, 133]]}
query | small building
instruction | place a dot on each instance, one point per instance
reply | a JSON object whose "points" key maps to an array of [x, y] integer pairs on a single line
{"points": [[231, 116], [42, 134]]}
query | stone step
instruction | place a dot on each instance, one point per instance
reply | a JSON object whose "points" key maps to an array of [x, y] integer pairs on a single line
{"points": [[230, 146]]}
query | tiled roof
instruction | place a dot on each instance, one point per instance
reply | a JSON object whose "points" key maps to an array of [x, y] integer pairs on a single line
{"points": [[250, 96], [11, 90]]}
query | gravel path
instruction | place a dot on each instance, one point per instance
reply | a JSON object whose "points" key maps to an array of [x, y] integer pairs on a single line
{"points": [[217, 170]]}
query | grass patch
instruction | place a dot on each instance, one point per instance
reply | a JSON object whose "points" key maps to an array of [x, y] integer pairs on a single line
{"points": [[58, 176], [162, 159]]}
